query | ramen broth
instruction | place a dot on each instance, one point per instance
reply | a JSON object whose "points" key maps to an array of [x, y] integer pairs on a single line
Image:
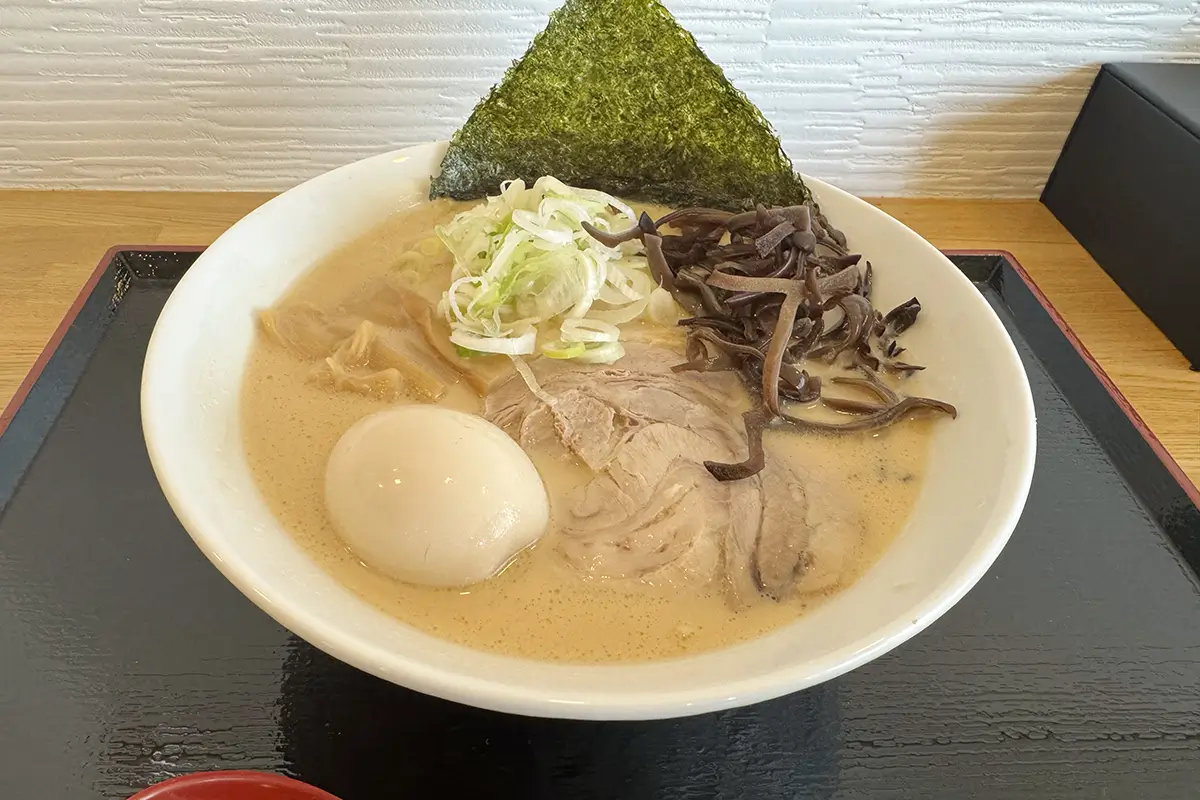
{"points": [[539, 607]]}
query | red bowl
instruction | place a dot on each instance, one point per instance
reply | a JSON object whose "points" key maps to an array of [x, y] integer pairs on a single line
{"points": [[232, 785]]}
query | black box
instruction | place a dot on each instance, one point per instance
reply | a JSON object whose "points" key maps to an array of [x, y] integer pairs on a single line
{"points": [[1127, 187]]}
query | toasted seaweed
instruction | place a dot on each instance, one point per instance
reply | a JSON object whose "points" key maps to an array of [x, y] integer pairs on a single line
{"points": [[615, 95]]}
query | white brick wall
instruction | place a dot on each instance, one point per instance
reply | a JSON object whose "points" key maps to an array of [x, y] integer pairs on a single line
{"points": [[916, 97]]}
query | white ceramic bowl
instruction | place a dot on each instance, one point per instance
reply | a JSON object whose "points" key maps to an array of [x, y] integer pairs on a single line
{"points": [[978, 476]]}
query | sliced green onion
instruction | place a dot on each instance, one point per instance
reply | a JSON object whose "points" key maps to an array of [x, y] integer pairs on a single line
{"points": [[563, 350], [602, 354], [463, 352], [619, 316], [509, 346], [589, 330], [523, 256]]}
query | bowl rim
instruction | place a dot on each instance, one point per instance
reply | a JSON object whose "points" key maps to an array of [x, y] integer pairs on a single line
{"points": [[414, 673], [273, 785]]}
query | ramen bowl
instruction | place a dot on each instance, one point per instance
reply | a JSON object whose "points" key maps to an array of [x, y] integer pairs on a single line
{"points": [[977, 475]]}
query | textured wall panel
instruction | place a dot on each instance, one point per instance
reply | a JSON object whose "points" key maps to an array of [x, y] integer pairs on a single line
{"points": [[880, 96]]}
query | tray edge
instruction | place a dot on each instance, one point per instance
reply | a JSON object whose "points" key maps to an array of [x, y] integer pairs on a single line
{"points": [[1181, 477], [39, 364]]}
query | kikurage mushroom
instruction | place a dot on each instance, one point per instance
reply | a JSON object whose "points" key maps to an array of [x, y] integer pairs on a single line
{"points": [[760, 284]]}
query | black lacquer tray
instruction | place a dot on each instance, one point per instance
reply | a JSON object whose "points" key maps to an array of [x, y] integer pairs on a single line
{"points": [[1071, 671]]}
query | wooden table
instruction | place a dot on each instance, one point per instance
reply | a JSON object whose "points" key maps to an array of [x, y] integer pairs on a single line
{"points": [[52, 241]]}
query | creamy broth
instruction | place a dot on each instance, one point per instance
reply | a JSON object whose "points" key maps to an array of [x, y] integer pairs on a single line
{"points": [[538, 608]]}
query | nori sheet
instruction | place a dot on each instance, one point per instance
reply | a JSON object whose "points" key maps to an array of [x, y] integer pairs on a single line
{"points": [[615, 95]]}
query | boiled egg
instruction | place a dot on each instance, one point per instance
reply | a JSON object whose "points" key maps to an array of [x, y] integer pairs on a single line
{"points": [[433, 496]]}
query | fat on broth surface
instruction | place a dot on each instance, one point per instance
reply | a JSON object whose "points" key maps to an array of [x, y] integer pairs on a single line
{"points": [[539, 607]]}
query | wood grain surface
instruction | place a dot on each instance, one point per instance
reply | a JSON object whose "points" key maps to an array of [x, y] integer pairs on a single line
{"points": [[52, 241]]}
